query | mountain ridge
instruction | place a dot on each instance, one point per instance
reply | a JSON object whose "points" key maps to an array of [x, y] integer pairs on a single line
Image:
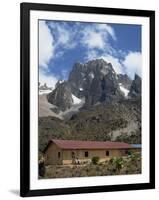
{"points": [[96, 81]]}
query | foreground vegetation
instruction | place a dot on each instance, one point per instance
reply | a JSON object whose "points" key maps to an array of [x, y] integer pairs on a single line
{"points": [[115, 166]]}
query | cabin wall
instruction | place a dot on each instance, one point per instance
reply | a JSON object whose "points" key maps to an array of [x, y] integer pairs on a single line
{"points": [[80, 154], [53, 151], [136, 150], [53, 155]]}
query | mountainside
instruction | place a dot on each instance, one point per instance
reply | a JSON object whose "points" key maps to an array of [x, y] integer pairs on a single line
{"points": [[95, 103], [101, 122]]}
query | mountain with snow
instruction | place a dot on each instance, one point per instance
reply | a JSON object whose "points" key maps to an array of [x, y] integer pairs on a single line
{"points": [[91, 83], [95, 103], [124, 90]]}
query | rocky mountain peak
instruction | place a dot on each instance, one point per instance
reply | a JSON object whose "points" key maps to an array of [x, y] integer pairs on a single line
{"points": [[82, 75], [135, 89], [137, 77], [98, 61], [61, 96], [95, 81]]}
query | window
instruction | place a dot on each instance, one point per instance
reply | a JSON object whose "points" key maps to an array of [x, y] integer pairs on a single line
{"points": [[86, 153], [126, 152], [59, 154], [107, 153], [73, 154]]}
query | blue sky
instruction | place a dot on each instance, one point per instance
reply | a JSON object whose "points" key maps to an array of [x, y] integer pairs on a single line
{"points": [[63, 43]]}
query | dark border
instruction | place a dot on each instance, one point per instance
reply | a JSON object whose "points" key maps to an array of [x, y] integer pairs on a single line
{"points": [[25, 9]]}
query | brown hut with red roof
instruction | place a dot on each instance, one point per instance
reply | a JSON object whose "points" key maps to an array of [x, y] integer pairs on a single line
{"points": [[69, 151]]}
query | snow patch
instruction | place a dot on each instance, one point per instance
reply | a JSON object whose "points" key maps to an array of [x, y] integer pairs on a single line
{"points": [[104, 71], [44, 91], [80, 89], [76, 100], [74, 109], [124, 90], [61, 81], [91, 75]]}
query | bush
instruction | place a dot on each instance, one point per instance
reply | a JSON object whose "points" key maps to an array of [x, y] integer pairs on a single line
{"points": [[117, 163], [95, 160]]}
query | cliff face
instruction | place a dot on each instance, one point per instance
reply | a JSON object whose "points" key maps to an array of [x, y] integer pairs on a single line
{"points": [[95, 81], [61, 96], [135, 89]]}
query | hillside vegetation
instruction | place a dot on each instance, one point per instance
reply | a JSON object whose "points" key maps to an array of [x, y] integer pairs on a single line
{"points": [[116, 122]]}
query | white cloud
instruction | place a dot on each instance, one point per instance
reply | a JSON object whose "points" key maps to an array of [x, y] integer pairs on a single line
{"points": [[91, 54], [46, 49], [115, 62], [93, 39], [133, 64], [50, 80], [64, 36], [96, 36], [107, 29]]}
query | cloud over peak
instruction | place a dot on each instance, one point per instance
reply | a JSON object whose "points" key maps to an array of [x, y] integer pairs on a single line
{"points": [[97, 35], [46, 47], [133, 64], [61, 43]]}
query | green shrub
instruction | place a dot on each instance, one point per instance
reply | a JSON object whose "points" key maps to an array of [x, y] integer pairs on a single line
{"points": [[117, 163], [95, 160]]}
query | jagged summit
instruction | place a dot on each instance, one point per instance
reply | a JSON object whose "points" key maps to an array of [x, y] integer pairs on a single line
{"points": [[93, 82], [135, 89]]}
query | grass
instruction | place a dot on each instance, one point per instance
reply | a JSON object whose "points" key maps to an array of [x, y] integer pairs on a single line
{"points": [[114, 166]]}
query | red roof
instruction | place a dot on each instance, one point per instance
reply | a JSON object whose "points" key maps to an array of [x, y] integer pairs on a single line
{"points": [[76, 144]]}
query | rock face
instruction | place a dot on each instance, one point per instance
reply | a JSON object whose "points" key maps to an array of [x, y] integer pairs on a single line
{"points": [[104, 90], [135, 89], [124, 80], [61, 96], [96, 82], [82, 75]]}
